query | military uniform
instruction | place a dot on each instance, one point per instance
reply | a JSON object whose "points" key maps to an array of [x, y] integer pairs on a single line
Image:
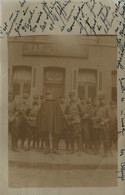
{"points": [[42, 100], [85, 121], [64, 134], [33, 132], [92, 129], [113, 124], [82, 105], [12, 109], [23, 124], [101, 126], [73, 112]]}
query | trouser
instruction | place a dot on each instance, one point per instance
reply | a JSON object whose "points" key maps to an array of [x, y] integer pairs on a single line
{"points": [[14, 135], [30, 135], [105, 139], [65, 136], [68, 137], [91, 137], [14, 141], [97, 140], [76, 136], [113, 135], [36, 138], [55, 141], [86, 136], [45, 139]]}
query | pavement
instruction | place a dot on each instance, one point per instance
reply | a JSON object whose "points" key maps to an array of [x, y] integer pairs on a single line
{"points": [[36, 177], [62, 161]]}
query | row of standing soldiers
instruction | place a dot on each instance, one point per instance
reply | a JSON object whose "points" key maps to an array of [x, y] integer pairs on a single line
{"points": [[87, 124]]}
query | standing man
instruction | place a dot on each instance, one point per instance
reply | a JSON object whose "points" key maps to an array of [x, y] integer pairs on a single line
{"points": [[42, 100], [73, 112], [50, 122], [86, 123], [11, 123], [113, 124], [83, 105], [93, 129], [22, 122], [101, 124], [64, 134], [32, 131]]}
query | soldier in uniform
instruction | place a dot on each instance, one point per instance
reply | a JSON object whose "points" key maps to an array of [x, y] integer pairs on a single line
{"points": [[11, 123], [73, 113], [50, 122], [32, 131], [42, 100], [22, 122], [62, 103], [101, 124], [64, 134], [92, 129], [82, 101], [113, 124], [83, 105], [86, 110]]}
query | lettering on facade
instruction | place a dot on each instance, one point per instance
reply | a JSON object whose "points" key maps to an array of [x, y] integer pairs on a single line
{"points": [[55, 50]]}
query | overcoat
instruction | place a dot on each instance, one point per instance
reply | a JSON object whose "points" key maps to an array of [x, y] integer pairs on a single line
{"points": [[49, 117]]}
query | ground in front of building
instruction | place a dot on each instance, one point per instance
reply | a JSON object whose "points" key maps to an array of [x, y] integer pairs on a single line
{"points": [[33, 177]]}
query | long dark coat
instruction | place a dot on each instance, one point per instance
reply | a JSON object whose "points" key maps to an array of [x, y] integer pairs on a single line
{"points": [[49, 117]]}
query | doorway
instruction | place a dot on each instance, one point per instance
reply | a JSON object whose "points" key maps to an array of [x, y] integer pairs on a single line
{"points": [[87, 83], [54, 80]]}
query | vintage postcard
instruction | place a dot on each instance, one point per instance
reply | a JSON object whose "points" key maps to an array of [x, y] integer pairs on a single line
{"points": [[62, 97]]}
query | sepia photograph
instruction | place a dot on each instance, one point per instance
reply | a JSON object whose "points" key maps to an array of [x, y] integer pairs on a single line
{"points": [[62, 111]]}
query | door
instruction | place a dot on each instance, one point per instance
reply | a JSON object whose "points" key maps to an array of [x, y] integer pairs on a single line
{"points": [[54, 79]]}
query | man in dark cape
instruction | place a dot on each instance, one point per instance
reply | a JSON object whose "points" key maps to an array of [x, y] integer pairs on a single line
{"points": [[49, 122]]}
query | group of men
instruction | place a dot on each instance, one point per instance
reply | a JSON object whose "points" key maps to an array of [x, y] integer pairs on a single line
{"points": [[84, 126]]}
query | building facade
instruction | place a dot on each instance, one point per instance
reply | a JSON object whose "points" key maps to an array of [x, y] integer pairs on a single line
{"points": [[84, 64]]}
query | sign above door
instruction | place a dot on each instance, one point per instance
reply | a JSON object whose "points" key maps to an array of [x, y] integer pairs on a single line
{"points": [[56, 50]]}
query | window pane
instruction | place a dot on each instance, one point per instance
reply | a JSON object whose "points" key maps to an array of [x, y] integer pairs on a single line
{"points": [[16, 89], [34, 78], [74, 79], [92, 91], [87, 76], [22, 73], [26, 88], [81, 91]]}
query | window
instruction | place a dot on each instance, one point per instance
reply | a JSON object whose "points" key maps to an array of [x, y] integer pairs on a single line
{"points": [[34, 77], [16, 88], [114, 85], [100, 80], [22, 76], [87, 83]]}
